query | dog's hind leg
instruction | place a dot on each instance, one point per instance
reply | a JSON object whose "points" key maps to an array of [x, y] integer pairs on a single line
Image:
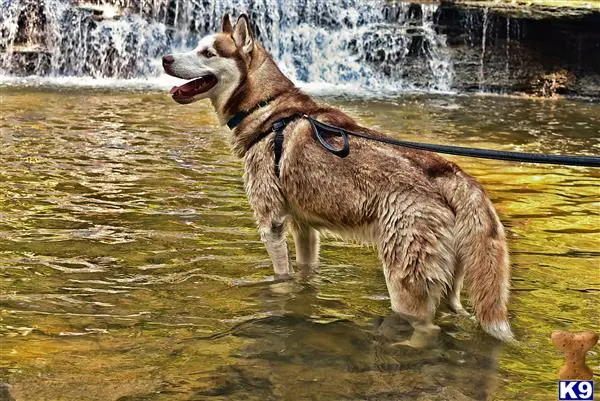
{"points": [[416, 248], [306, 240], [454, 295], [415, 302]]}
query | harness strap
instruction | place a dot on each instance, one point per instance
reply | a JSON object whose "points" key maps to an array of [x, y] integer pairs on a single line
{"points": [[239, 117], [278, 127]]}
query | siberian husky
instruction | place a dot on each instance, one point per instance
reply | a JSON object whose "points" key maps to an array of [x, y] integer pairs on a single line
{"points": [[431, 222]]}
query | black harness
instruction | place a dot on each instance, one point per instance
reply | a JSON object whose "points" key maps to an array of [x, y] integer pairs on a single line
{"points": [[239, 117], [319, 128], [278, 127]]}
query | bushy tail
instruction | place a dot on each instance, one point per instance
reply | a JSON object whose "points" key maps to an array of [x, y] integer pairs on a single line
{"points": [[482, 251]]}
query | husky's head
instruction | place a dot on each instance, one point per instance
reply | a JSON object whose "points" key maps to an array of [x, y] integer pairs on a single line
{"points": [[229, 67], [216, 66]]}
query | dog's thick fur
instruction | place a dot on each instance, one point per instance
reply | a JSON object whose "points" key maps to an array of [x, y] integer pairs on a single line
{"points": [[432, 223]]}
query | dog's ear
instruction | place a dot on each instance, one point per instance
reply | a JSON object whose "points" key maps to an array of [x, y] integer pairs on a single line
{"points": [[226, 25], [242, 34]]}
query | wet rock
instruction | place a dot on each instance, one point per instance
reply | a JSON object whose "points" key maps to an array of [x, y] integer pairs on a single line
{"points": [[532, 9], [445, 394], [100, 11], [5, 393], [549, 85], [497, 51]]}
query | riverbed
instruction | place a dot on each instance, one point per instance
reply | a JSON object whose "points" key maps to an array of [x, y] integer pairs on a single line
{"points": [[131, 268]]}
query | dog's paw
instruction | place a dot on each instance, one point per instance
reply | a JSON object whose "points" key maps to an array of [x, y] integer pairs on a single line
{"points": [[391, 327], [282, 277], [417, 343], [424, 336], [456, 307]]}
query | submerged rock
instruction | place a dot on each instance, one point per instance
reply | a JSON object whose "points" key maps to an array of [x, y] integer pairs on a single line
{"points": [[5, 393], [445, 394]]}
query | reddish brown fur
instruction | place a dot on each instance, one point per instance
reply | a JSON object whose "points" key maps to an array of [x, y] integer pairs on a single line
{"points": [[432, 223]]}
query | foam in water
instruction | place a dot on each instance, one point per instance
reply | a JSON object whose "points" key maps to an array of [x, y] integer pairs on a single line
{"points": [[349, 44]]}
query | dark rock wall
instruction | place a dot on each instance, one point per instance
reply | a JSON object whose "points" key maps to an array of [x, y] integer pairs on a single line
{"points": [[521, 53]]}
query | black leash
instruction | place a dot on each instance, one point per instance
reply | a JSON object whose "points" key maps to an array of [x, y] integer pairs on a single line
{"points": [[567, 160], [319, 127]]}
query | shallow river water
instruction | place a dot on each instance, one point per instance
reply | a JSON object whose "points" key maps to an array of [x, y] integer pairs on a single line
{"points": [[131, 269]]}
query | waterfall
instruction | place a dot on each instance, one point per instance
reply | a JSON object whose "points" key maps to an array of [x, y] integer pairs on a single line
{"points": [[482, 57], [507, 66], [364, 44]]}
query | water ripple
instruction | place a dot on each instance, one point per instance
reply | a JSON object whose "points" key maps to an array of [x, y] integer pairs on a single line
{"points": [[127, 243]]}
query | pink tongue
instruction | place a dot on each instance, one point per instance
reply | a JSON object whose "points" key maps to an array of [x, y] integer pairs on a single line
{"points": [[189, 89]]}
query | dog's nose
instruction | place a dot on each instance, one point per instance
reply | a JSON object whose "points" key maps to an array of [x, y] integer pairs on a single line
{"points": [[167, 60]]}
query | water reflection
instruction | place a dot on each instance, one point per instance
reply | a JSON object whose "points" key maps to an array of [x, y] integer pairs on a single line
{"points": [[132, 269], [295, 349]]}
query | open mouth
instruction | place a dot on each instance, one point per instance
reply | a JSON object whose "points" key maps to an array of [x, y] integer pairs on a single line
{"points": [[185, 93]]}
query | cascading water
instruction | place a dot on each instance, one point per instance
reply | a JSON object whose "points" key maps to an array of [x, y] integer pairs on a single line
{"points": [[507, 67], [482, 57], [372, 44]]}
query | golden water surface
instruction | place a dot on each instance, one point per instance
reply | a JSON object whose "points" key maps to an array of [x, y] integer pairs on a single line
{"points": [[131, 269]]}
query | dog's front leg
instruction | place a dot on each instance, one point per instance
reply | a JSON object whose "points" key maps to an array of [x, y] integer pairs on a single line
{"points": [[268, 203], [272, 233]]}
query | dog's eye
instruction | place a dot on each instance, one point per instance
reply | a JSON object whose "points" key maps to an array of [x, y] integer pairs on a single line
{"points": [[207, 53]]}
